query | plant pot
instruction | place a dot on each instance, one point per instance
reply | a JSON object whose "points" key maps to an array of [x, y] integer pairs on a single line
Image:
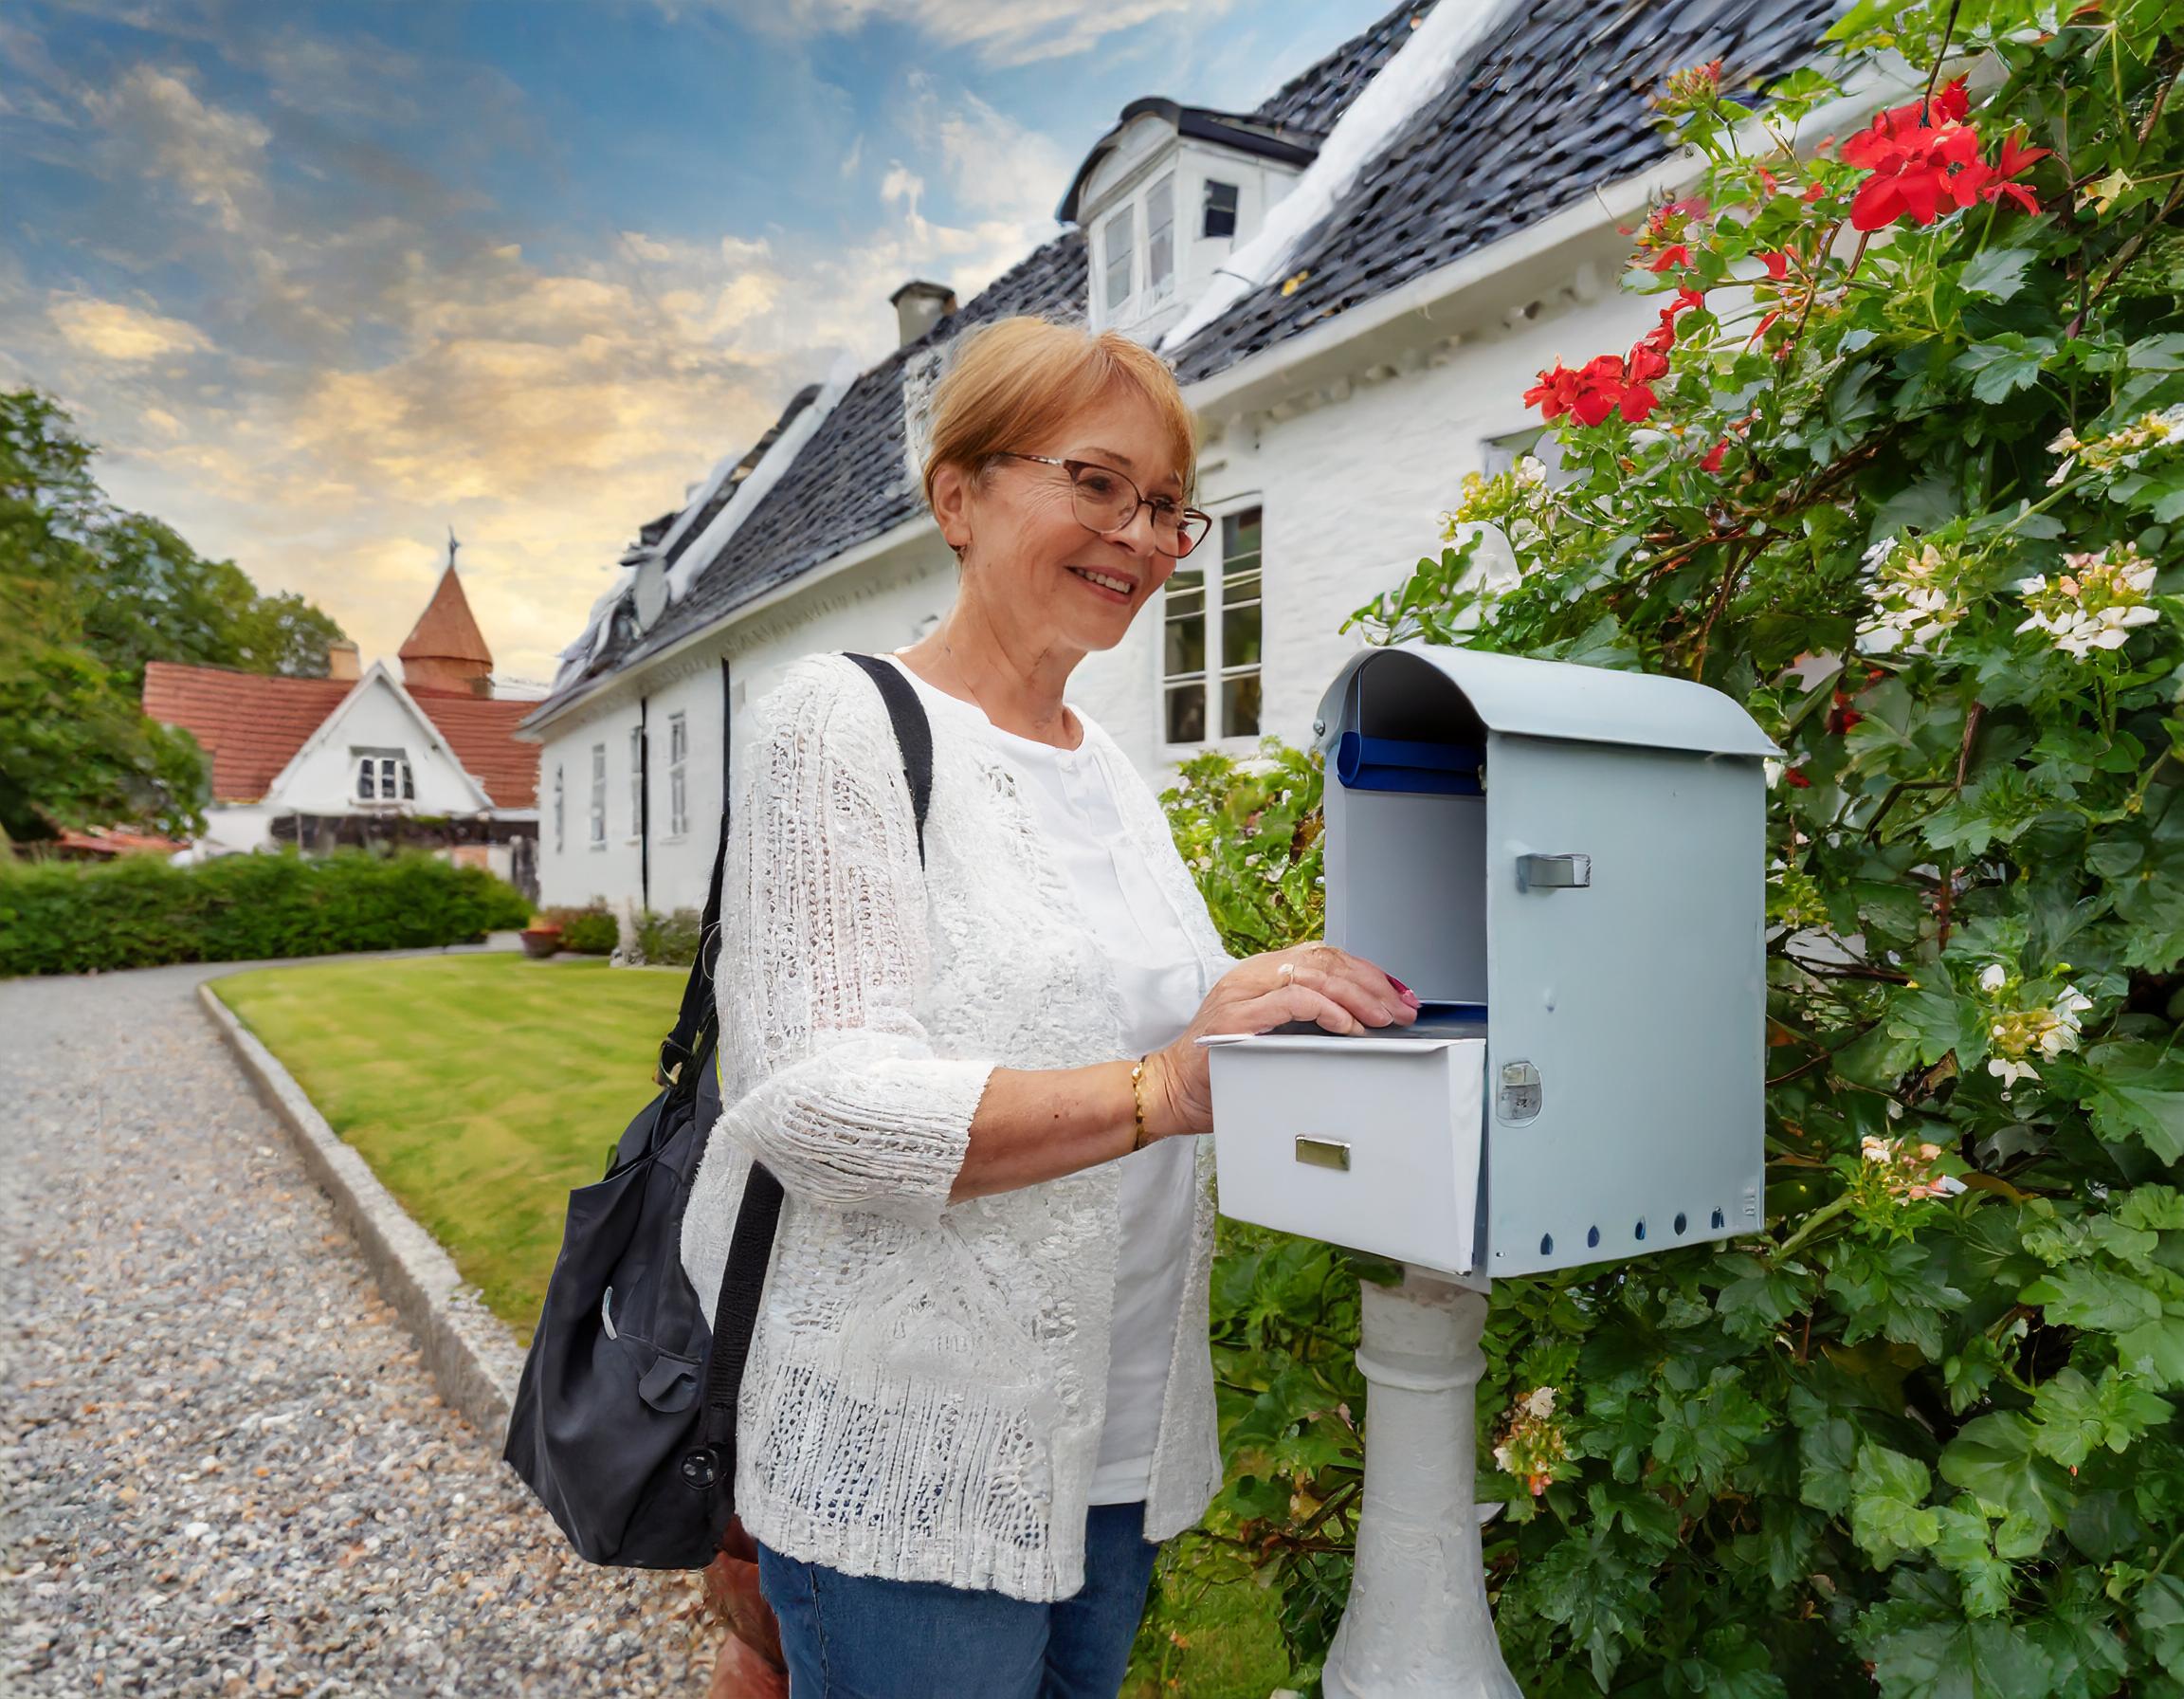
{"points": [[541, 941]]}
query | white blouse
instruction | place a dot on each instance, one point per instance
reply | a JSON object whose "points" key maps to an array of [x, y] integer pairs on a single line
{"points": [[1162, 981]]}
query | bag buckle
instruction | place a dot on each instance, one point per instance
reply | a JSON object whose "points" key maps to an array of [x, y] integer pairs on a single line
{"points": [[667, 1071]]}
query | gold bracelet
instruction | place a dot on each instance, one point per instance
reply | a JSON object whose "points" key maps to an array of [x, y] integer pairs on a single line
{"points": [[1137, 1100]]}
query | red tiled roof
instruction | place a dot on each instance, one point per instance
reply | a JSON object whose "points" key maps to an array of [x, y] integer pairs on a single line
{"points": [[446, 630], [252, 722], [119, 840], [481, 730]]}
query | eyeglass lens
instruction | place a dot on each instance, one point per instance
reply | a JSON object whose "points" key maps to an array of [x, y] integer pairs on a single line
{"points": [[1107, 502]]}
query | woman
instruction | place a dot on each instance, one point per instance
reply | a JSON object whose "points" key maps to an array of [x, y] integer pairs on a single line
{"points": [[980, 1393]]}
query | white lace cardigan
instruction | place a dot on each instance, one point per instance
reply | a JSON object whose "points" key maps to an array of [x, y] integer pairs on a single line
{"points": [[927, 1382]]}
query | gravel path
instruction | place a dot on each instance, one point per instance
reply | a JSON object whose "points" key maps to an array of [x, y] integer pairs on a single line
{"points": [[223, 1466]]}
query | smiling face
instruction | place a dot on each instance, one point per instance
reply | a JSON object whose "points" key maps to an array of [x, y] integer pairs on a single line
{"points": [[1038, 573]]}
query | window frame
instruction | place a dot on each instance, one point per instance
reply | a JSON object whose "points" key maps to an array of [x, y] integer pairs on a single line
{"points": [[392, 779], [1160, 287], [598, 810], [677, 776], [636, 783], [1215, 672], [1125, 215], [1233, 212], [560, 809]]}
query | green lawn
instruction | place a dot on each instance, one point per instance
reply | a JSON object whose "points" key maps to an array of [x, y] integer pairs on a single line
{"points": [[481, 1088]]}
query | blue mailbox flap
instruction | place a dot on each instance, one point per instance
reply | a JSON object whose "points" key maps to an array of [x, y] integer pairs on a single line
{"points": [[1398, 764]]}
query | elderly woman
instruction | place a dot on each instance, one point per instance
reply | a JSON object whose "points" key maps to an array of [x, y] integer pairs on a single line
{"points": [[979, 1391]]}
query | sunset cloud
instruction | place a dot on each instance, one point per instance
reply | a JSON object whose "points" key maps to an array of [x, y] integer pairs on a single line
{"points": [[116, 330]]}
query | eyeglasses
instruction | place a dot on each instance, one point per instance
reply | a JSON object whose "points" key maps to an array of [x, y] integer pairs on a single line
{"points": [[1107, 502]]}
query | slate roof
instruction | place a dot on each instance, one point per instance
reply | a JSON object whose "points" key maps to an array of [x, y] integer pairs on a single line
{"points": [[851, 482], [252, 723], [1551, 106], [1548, 108]]}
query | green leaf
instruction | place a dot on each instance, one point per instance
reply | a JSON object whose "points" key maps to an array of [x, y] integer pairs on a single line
{"points": [[2088, 1295], [2138, 1093], [1961, 1660], [2158, 1611], [1889, 1514], [2008, 363], [1994, 1459], [2076, 1415], [1997, 274], [1965, 1548], [2154, 1352]]}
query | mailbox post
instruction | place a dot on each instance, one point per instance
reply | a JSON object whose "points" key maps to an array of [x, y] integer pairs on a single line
{"points": [[1567, 864]]}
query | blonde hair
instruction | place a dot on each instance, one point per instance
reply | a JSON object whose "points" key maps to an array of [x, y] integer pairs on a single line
{"points": [[1013, 383]]}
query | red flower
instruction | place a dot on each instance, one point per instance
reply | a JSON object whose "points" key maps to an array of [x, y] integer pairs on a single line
{"points": [[1895, 130], [1713, 461], [1553, 392], [1815, 193], [2016, 159], [1600, 389], [1675, 255], [1777, 264], [1760, 329], [1767, 180], [1797, 779], [1635, 402]]}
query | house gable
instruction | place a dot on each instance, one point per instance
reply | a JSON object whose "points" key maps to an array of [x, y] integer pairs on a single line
{"points": [[376, 717]]}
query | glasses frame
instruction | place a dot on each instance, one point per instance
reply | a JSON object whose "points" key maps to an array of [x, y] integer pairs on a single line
{"points": [[1074, 466]]}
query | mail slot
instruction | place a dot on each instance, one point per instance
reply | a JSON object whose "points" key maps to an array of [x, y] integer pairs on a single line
{"points": [[1567, 864]]}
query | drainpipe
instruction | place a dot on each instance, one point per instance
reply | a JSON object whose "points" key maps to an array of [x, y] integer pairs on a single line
{"points": [[644, 809]]}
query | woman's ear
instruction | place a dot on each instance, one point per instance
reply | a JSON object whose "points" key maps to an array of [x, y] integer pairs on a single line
{"points": [[952, 493]]}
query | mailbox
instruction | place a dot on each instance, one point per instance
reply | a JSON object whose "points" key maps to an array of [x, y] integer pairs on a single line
{"points": [[1567, 864]]}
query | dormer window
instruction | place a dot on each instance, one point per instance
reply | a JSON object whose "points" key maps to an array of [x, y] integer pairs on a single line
{"points": [[1164, 196], [1220, 216]]}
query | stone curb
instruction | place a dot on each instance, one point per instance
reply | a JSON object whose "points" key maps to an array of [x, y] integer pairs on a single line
{"points": [[472, 1355]]}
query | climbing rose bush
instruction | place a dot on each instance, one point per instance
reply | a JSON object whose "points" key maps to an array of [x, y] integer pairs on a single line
{"points": [[1900, 469]]}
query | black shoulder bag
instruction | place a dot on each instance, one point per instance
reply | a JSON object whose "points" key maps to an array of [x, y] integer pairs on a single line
{"points": [[609, 1426]]}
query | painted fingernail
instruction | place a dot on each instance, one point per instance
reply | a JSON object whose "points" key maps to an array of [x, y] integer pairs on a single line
{"points": [[1408, 996]]}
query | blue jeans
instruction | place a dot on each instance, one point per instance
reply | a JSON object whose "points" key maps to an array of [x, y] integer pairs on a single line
{"points": [[856, 1636]]}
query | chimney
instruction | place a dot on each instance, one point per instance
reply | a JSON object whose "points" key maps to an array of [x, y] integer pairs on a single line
{"points": [[341, 661], [918, 306]]}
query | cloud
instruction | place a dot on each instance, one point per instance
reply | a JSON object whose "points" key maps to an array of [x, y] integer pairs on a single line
{"points": [[1020, 32], [215, 157], [116, 330]]}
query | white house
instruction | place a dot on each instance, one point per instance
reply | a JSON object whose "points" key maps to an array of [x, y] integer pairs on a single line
{"points": [[364, 755], [1356, 283]]}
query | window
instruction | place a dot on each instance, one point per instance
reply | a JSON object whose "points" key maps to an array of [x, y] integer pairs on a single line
{"points": [[383, 775], [636, 780], [1210, 636], [1220, 217], [678, 764], [598, 795], [560, 812], [1160, 236], [1118, 238]]}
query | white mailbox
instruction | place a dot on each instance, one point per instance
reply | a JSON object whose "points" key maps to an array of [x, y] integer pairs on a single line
{"points": [[1567, 864]]}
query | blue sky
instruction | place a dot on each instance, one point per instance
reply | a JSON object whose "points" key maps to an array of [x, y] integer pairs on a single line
{"points": [[322, 279]]}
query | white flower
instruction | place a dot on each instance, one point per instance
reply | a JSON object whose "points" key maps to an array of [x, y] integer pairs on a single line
{"points": [[1501, 1458], [1541, 1402], [2009, 1071], [1994, 977], [1774, 769]]}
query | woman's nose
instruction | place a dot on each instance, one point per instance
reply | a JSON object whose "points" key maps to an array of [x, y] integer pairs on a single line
{"points": [[1137, 534]]}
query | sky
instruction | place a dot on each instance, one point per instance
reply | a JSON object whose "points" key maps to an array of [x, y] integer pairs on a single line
{"points": [[322, 281]]}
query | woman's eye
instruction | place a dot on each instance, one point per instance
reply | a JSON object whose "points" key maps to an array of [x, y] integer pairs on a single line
{"points": [[1098, 483]]}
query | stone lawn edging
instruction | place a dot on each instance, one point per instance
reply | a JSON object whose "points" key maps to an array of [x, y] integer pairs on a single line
{"points": [[471, 1353]]}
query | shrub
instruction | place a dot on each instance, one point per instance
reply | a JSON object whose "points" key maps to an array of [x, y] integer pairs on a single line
{"points": [[1901, 469], [592, 930], [670, 939], [73, 918]]}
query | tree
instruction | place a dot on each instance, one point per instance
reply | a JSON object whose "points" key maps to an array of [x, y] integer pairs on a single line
{"points": [[89, 594], [1901, 467]]}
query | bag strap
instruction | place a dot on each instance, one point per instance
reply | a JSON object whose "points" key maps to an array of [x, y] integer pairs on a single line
{"points": [[743, 1278]]}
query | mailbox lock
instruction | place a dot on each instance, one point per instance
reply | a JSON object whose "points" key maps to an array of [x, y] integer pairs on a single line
{"points": [[1519, 1095], [1553, 872]]}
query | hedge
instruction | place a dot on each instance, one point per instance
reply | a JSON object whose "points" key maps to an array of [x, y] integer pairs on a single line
{"points": [[74, 918]]}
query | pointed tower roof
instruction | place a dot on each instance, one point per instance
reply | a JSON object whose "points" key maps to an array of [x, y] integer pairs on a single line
{"points": [[445, 631]]}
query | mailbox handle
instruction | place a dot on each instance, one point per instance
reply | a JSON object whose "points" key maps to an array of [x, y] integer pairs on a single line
{"points": [[1553, 872]]}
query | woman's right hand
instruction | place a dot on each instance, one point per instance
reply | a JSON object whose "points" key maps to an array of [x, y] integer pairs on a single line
{"points": [[1313, 981]]}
